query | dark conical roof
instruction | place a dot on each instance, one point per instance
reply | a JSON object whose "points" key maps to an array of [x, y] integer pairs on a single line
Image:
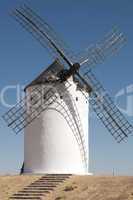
{"points": [[48, 74]]}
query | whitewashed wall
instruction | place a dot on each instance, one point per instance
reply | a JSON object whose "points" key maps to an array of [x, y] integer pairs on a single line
{"points": [[49, 143]]}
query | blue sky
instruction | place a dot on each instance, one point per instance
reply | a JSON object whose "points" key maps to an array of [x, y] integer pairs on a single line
{"points": [[80, 23]]}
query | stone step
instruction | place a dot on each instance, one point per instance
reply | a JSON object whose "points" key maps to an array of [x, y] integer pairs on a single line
{"points": [[36, 189], [41, 187], [49, 181], [58, 175], [29, 198], [54, 177], [38, 186], [28, 194]]}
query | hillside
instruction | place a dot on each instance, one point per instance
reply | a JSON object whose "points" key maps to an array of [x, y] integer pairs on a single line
{"points": [[11, 184], [76, 188], [95, 188]]}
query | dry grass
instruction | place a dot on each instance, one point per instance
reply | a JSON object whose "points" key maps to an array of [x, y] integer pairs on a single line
{"points": [[95, 188], [11, 184], [76, 188]]}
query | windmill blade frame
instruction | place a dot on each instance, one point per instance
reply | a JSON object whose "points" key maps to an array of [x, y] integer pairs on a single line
{"points": [[108, 46], [43, 38], [106, 110], [92, 56], [28, 27], [49, 30], [96, 54], [23, 113]]}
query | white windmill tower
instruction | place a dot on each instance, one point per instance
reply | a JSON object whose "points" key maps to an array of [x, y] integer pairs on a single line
{"points": [[54, 112], [60, 134]]}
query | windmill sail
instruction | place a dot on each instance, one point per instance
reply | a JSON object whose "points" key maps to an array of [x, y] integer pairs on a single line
{"points": [[107, 112], [49, 39], [30, 107], [47, 28], [21, 114], [30, 24], [96, 54]]}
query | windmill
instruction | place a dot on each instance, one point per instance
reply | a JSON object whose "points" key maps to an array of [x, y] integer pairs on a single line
{"points": [[54, 111]]}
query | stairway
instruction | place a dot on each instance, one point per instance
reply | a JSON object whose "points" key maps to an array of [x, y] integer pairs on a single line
{"points": [[41, 187]]}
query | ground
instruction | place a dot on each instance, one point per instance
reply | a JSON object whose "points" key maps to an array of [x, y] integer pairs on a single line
{"points": [[76, 188], [11, 184]]}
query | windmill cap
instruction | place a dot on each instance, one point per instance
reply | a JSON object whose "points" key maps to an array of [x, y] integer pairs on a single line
{"points": [[48, 74]]}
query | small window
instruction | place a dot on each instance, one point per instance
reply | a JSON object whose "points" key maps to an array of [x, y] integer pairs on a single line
{"points": [[61, 97], [76, 98]]}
